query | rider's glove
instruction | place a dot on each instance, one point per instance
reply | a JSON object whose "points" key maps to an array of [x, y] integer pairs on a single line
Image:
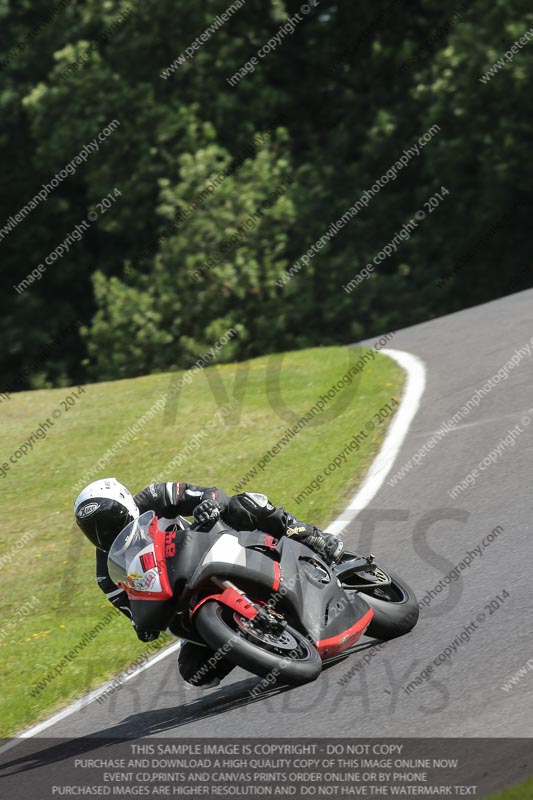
{"points": [[206, 511]]}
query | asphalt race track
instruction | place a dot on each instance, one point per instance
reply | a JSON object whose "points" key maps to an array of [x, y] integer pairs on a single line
{"points": [[421, 532]]}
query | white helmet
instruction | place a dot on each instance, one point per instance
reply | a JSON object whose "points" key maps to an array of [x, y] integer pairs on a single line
{"points": [[103, 509]]}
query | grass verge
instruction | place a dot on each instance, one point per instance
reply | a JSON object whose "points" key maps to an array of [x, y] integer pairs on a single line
{"points": [[50, 602], [524, 791]]}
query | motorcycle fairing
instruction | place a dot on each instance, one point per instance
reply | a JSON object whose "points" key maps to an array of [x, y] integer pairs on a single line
{"points": [[345, 640], [138, 563], [299, 582], [146, 574], [233, 556], [314, 602], [304, 588], [206, 554]]}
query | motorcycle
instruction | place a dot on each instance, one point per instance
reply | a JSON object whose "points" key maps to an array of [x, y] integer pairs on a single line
{"points": [[272, 607]]}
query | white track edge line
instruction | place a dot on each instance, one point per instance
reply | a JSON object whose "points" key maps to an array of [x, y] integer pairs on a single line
{"points": [[398, 429], [394, 438], [84, 701]]}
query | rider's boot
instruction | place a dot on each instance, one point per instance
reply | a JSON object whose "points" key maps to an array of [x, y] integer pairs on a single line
{"points": [[202, 667], [327, 546]]}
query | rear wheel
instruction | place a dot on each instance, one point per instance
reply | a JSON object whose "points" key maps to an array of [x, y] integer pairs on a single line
{"points": [[286, 655], [395, 606]]}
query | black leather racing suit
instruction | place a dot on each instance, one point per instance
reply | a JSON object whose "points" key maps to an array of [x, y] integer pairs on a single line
{"points": [[247, 511]]}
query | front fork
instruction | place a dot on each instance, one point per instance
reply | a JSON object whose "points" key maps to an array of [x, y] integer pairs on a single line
{"points": [[236, 599], [364, 566]]}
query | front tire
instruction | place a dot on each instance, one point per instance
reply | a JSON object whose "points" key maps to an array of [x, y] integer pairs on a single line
{"points": [[289, 657], [395, 607]]}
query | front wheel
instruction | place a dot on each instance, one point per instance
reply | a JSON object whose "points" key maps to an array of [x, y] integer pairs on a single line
{"points": [[395, 607], [287, 656]]}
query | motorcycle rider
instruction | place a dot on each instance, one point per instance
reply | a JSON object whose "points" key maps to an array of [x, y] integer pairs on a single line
{"points": [[105, 507]]}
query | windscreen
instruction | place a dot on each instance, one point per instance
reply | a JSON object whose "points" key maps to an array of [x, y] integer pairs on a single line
{"points": [[131, 559]]}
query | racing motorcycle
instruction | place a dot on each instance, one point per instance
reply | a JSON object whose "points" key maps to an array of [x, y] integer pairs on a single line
{"points": [[272, 607]]}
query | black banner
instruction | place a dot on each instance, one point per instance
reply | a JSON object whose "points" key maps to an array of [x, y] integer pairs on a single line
{"points": [[236, 768]]}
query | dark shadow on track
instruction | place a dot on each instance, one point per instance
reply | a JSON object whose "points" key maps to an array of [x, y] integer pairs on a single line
{"points": [[136, 726], [152, 722]]}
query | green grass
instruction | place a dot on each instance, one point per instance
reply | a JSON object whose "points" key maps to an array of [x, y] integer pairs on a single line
{"points": [[56, 565], [523, 791]]}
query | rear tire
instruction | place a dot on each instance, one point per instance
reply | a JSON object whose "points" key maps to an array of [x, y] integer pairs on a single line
{"points": [[225, 631]]}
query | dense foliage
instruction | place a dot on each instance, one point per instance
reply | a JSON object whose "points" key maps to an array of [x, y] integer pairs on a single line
{"points": [[215, 190]]}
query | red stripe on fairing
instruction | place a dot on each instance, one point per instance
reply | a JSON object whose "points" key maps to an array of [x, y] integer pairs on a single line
{"points": [[277, 576], [343, 641], [231, 598], [159, 546]]}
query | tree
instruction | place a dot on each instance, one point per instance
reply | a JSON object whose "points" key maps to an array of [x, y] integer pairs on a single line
{"points": [[219, 256]]}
